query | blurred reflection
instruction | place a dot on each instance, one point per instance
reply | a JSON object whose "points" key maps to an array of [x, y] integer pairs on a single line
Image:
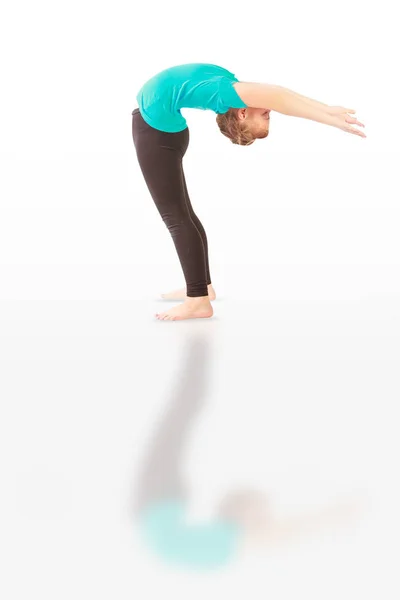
{"points": [[251, 512], [162, 496], [243, 517]]}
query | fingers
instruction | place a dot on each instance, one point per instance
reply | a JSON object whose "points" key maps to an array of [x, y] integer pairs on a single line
{"points": [[356, 131], [355, 121]]}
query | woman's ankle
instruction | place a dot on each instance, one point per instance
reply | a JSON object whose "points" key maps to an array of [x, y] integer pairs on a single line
{"points": [[197, 299]]}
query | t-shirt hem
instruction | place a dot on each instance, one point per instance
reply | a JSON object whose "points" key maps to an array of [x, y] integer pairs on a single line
{"points": [[164, 129]]}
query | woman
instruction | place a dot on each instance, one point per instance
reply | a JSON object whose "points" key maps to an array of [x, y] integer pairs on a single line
{"points": [[161, 137]]}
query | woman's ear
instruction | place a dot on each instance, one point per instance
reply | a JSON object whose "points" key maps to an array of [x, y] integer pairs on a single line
{"points": [[241, 113]]}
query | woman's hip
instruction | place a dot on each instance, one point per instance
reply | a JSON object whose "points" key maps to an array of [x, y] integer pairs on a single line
{"points": [[146, 135]]}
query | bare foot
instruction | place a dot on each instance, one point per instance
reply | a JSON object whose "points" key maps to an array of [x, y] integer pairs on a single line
{"points": [[192, 308], [181, 294]]}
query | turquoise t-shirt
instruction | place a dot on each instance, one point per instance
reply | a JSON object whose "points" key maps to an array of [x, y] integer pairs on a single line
{"points": [[200, 547], [194, 85]]}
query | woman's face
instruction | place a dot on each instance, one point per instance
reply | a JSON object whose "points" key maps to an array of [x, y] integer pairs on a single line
{"points": [[256, 119]]}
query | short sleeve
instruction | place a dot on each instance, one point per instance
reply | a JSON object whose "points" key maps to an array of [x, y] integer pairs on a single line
{"points": [[228, 96]]}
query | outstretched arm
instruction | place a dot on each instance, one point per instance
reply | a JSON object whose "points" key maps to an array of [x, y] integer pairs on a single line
{"points": [[288, 102], [282, 100], [331, 110]]}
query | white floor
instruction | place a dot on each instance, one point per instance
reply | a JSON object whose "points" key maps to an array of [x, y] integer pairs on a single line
{"points": [[300, 400]]}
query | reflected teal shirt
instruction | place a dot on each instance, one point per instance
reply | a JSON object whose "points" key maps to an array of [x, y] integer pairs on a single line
{"points": [[195, 85], [197, 546]]}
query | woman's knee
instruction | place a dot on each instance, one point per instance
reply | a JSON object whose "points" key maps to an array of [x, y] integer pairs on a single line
{"points": [[177, 219]]}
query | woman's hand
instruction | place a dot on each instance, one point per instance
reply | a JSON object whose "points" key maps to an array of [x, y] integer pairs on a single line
{"points": [[338, 110], [342, 120]]}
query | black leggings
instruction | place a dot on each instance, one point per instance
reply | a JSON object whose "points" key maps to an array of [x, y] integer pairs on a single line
{"points": [[160, 157]]}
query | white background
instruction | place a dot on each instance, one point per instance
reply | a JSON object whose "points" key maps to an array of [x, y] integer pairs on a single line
{"points": [[305, 254]]}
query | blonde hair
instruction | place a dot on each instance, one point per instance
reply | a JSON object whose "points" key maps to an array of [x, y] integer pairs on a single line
{"points": [[234, 129]]}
